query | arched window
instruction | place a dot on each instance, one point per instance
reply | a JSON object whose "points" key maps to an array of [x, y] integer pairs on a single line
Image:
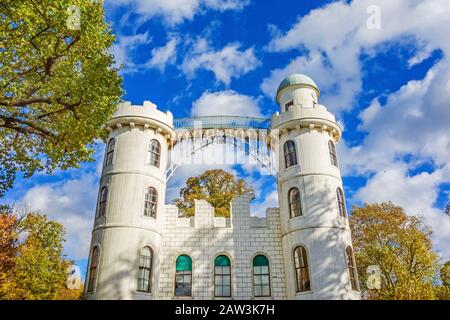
{"points": [[290, 154], [295, 207], [93, 269], [102, 202], [222, 276], [333, 156], [151, 202], [261, 276], [341, 202], [351, 268], [301, 269], [155, 153], [289, 105], [183, 276], [145, 270], [110, 152]]}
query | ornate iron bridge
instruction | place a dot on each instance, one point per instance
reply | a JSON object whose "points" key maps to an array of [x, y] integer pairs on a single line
{"points": [[221, 122], [249, 134]]}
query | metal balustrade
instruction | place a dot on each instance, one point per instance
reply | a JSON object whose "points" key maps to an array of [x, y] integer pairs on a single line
{"points": [[221, 122]]}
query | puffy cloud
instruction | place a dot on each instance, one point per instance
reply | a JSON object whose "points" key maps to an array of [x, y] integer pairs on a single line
{"points": [[165, 55], [414, 193], [227, 102], [334, 37], [414, 121], [269, 201], [411, 127], [71, 200], [124, 49], [340, 88], [176, 11], [226, 63]]}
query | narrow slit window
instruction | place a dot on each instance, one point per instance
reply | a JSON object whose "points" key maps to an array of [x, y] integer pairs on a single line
{"points": [[103, 201], [110, 152]]}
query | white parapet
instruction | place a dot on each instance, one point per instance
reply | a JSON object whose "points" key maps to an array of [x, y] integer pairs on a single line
{"points": [[146, 115]]}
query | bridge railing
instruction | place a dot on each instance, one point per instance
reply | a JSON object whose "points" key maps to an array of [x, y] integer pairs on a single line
{"points": [[222, 122]]}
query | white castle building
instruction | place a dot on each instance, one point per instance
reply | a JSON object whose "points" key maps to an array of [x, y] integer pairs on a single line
{"points": [[142, 249]]}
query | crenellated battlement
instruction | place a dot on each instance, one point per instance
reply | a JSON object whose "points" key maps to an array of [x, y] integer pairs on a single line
{"points": [[146, 116], [240, 218]]}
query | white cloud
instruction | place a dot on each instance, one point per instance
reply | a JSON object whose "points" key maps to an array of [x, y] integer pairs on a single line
{"points": [[414, 121], [70, 201], [341, 88], [414, 193], [124, 49], [270, 201], [412, 124], [334, 37], [227, 102], [226, 63], [176, 11], [165, 55]]}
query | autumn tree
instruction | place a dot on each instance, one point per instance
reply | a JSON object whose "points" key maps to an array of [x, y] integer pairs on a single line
{"points": [[57, 84], [218, 187], [400, 246], [9, 239], [444, 290], [37, 269]]}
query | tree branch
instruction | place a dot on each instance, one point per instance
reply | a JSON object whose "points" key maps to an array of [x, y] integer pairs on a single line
{"points": [[25, 102], [11, 123]]}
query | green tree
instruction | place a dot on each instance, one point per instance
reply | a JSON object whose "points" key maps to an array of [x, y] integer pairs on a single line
{"points": [[57, 84], [218, 187], [39, 269], [445, 274], [400, 245], [444, 290]]}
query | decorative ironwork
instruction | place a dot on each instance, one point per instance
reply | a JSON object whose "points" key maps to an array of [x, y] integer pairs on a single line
{"points": [[263, 158], [221, 122], [245, 133]]}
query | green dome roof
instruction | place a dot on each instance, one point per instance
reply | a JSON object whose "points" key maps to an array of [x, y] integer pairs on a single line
{"points": [[297, 78]]}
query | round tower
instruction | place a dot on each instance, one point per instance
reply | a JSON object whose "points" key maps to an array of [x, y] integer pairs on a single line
{"points": [[126, 236], [316, 237]]}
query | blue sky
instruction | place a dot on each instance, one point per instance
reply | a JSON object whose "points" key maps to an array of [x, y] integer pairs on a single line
{"points": [[382, 67]]}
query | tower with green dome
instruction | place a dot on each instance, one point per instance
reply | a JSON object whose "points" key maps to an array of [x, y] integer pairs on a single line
{"points": [[315, 232]]}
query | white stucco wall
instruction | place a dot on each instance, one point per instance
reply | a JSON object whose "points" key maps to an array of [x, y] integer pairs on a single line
{"points": [[205, 237]]}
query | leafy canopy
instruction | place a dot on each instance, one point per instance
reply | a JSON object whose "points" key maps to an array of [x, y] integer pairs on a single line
{"points": [[218, 187], [385, 236], [57, 84], [33, 266]]}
